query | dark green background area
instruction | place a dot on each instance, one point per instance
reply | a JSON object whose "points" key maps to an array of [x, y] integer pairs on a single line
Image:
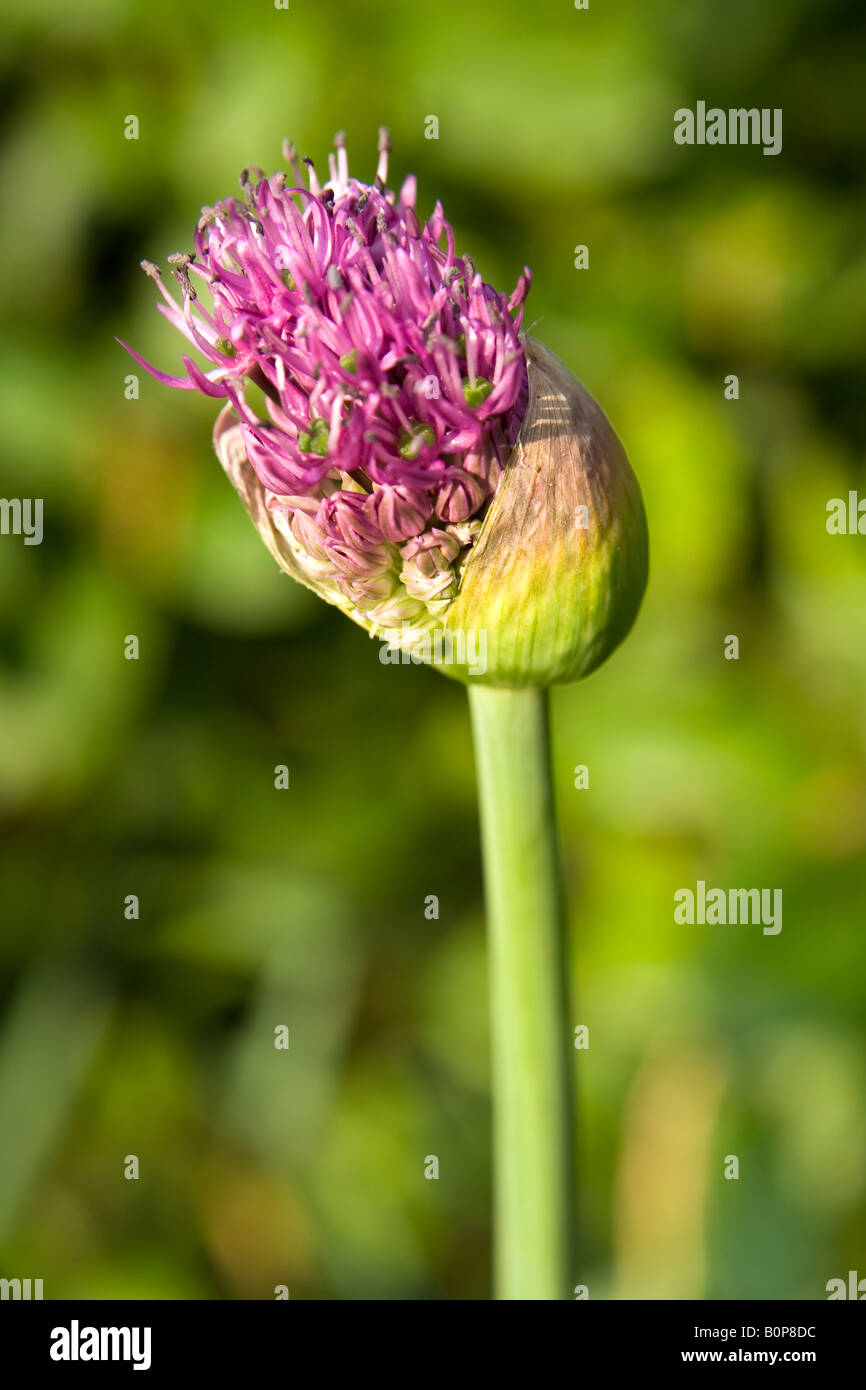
{"points": [[306, 907]]}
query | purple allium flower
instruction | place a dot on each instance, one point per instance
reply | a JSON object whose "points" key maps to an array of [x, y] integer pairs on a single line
{"points": [[417, 462], [395, 380]]}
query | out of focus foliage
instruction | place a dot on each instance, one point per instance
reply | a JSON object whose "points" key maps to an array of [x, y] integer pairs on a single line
{"points": [[305, 907]]}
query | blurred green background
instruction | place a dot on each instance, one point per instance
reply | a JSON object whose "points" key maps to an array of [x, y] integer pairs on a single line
{"points": [[305, 907]]}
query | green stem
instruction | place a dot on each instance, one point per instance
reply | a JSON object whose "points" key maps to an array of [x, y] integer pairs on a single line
{"points": [[533, 1106]]}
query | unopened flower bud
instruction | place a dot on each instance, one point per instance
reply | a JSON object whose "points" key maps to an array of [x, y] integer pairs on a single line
{"points": [[559, 569]]}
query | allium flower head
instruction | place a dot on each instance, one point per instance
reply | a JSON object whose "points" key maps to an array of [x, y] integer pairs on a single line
{"points": [[394, 377], [395, 383]]}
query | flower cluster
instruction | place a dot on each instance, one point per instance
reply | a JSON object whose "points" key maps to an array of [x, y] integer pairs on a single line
{"points": [[395, 378]]}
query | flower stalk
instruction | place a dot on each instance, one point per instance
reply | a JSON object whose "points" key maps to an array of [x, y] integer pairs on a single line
{"points": [[533, 1094]]}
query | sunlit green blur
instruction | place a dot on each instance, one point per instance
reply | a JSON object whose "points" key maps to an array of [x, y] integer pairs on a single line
{"points": [[306, 907]]}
